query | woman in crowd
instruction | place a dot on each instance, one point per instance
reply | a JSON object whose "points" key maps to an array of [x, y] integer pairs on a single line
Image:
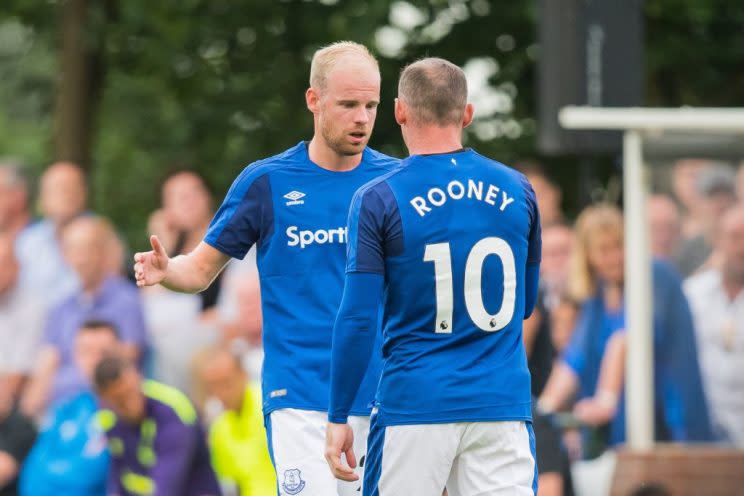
{"points": [[596, 281], [180, 324]]}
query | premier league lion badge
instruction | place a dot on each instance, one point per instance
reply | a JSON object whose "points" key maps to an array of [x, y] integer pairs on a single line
{"points": [[293, 482]]}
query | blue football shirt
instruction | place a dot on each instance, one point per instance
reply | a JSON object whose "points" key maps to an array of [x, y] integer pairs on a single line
{"points": [[296, 213], [457, 238]]}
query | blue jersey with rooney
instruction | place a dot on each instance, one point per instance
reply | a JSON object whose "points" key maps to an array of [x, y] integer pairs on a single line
{"points": [[457, 238], [295, 212]]}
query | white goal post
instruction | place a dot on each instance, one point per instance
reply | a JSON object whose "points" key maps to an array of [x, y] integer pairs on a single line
{"points": [[638, 124]]}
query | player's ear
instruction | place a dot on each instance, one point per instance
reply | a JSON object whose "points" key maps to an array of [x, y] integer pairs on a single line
{"points": [[400, 112], [467, 117], [312, 99]]}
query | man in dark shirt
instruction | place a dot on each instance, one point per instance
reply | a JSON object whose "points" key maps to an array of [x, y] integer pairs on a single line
{"points": [[554, 476], [156, 442], [17, 435]]}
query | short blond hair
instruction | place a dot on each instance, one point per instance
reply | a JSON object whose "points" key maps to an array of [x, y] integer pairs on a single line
{"points": [[596, 219], [326, 58], [436, 91]]}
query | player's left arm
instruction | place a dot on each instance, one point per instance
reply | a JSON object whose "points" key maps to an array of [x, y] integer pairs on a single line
{"points": [[353, 342], [534, 254], [356, 323]]}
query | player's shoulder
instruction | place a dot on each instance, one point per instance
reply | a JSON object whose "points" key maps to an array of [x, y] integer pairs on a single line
{"points": [[281, 161], [510, 173], [509, 176], [380, 161], [379, 187]]}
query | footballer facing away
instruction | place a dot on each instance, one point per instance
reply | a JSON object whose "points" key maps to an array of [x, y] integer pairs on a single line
{"points": [[294, 207], [450, 241]]}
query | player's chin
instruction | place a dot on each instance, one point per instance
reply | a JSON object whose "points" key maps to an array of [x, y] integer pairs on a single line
{"points": [[354, 146]]}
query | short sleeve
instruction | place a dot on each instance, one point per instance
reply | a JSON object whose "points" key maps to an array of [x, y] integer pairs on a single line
{"points": [[374, 230], [534, 249], [246, 215]]}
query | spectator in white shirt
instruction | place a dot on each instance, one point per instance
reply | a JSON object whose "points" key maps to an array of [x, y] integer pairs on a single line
{"points": [[21, 324], [717, 301], [62, 198], [717, 189]]}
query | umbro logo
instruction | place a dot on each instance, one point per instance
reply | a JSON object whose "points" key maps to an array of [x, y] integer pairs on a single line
{"points": [[294, 197]]}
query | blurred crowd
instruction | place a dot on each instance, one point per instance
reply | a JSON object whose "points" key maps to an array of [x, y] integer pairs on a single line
{"points": [[85, 355], [576, 338], [91, 367]]}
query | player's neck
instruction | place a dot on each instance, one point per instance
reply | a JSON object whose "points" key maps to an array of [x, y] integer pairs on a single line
{"points": [[433, 139], [326, 158]]}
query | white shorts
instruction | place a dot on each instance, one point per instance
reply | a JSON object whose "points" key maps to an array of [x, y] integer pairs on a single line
{"points": [[297, 447], [469, 459]]}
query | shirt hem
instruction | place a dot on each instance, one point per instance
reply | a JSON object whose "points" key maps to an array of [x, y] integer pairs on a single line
{"points": [[365, 270], [312, 408], [219, 246], [520, 412]]}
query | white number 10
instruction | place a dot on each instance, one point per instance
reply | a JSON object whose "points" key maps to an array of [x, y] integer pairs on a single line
{"points": [[439, 253]]}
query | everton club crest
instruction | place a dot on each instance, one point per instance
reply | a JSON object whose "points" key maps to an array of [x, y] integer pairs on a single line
{"points": [[293, 482]]}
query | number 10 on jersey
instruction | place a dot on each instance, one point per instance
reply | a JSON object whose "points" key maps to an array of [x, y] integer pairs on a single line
{"points": [[440, 254]]}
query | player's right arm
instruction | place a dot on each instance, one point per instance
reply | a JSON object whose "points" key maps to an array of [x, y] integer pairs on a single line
{"points": [[244, 218], [185, 273], [534, 254]]}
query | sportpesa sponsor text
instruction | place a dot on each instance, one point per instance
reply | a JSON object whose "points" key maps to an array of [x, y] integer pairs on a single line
{"points": [[305, 237]]}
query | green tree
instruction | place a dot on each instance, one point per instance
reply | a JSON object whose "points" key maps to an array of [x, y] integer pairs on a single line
{"points": [[214, 85]]}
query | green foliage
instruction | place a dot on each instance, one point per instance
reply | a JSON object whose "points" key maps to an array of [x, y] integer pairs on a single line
{"points": [[205, 85], [216, 84], [27, 66], [694, 53]]}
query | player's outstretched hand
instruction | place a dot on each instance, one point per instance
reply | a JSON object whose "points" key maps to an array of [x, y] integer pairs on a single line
{"points": [[340, 440], [151, 267]]}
